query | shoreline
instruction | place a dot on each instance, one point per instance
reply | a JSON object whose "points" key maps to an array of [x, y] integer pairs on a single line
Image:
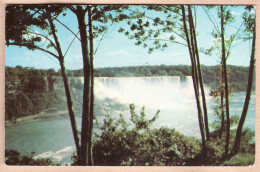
{"points": [[42, 116]]}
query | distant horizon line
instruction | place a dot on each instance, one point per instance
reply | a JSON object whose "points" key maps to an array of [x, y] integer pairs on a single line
{"points": [[31, 67]]}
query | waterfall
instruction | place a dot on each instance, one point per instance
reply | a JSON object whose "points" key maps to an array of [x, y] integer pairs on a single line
{"points": [[172, 95], [152, 92]]}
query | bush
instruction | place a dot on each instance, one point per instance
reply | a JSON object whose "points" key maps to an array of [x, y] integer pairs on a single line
{"points": [[240, 160], [13, 157], [135, 143]]}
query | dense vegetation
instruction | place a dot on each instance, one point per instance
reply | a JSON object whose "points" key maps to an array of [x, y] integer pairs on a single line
{"points": [[137, 143], [13, 157], [28, 92]]}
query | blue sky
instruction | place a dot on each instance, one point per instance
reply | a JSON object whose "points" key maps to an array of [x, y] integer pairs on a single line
{"points": [[118, 50]]}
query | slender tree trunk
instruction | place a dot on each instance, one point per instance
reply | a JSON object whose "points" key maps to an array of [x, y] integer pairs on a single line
{"points": [[222, 102], [200, 77], [85, 138], [191, 52], [66, 86], [92, 84], [225, 78], [247, 99], [70, 105]]}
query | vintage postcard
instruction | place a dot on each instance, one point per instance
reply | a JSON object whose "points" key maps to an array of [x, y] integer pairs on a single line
{"points": [[161, 85]]}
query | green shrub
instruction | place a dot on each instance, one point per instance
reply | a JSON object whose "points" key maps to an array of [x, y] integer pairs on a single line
{"points": [[13, 157], [135, 143], [243, 159]]}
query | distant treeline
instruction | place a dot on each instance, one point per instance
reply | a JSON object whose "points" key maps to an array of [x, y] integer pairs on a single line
{"points": [[237, 74]]}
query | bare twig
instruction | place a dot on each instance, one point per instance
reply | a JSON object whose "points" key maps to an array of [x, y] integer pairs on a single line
{"points": [[211, 20], [35, 47], [70, 45]]}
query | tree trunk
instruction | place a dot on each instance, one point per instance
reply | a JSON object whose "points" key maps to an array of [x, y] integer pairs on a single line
{"points": [[226, 82], [247, 99], [85, 138], [70, 108], [222, 102], [191, 52], [66, 86], [200, 77], [92, 84]]}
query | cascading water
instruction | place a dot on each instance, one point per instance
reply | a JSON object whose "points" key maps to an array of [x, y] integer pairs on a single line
{"points": [[172, 95], [152, 92]]}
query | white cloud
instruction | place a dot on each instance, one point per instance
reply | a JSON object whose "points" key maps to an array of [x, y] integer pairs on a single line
{"points": [[119, 52], [236, 13]]}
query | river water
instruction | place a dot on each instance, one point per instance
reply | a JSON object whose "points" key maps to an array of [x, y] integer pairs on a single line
{"points": [[173, 96]]}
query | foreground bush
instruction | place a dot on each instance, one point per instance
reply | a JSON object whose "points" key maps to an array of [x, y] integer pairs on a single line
{"points": [[13, 157], [135, 143]]}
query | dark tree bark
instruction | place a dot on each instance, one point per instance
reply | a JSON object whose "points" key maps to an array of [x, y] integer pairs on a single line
{"points": [[222, 102], [204, 103], [92, 83], [247, 99], [195, 85], [225, 79], [66, 85], [85, 137]]}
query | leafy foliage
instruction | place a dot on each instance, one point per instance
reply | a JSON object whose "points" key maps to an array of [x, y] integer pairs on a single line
{"points": [[136, 143], [13, 157], [153, 32], [27, 92], [248, 136], [243, 159], [249, 20], [27, 25]]}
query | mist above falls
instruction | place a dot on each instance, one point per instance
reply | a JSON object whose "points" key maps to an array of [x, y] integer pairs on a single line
{"points": [[172, 95]]}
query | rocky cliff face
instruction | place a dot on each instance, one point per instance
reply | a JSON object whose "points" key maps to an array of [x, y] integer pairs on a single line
{"points": [[56, 82]]}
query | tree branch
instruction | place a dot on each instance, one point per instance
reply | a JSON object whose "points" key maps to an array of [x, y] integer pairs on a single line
{"points": [[167, 28], [166, 40], [229, 48], [162, 25], [68, 29], [103, 36], [44, 37], [211, 20], [34, 47], [166, 7], [55, 18], [70, 45], [87, 7], [72, 9]]}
